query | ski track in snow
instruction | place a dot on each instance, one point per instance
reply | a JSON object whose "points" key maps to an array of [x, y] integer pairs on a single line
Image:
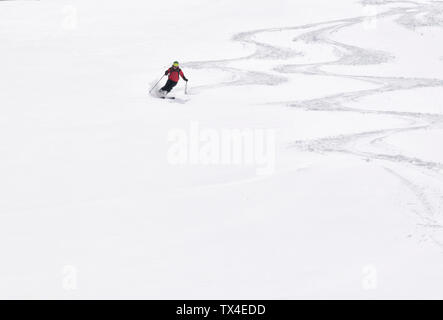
{"points": [[427, 192]]}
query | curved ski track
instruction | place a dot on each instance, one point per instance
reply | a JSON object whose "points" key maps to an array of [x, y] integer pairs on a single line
{"points": [[429, 196]]}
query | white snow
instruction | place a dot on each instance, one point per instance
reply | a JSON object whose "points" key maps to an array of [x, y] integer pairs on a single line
{"points": [[344, 109]]}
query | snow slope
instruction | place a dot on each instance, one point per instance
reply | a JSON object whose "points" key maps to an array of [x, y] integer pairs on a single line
{"points": [[347, 94]]}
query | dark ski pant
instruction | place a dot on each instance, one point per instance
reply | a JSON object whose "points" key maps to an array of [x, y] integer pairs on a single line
{"points": [[169, 85]]}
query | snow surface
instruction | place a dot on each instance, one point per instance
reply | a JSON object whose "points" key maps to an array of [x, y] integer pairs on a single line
{"points": [[350, 92]]}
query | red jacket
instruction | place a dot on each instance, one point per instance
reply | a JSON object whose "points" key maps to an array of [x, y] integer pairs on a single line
{"points": [[174, 74]]}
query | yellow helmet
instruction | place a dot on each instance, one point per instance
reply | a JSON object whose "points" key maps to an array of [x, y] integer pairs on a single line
{"points": [[175, 64]]}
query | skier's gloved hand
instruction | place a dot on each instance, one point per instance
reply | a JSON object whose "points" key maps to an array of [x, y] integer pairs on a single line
{"points": [[166, 73], [185, 79]]}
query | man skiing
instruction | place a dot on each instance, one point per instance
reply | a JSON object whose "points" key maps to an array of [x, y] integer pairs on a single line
{"points": [[174, 73]]}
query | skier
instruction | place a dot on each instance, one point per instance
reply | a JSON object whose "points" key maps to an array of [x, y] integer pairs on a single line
{"points": [[174, 73]]}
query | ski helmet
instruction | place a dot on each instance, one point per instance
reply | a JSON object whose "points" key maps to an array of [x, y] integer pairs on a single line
{"points": [[175, 64]]}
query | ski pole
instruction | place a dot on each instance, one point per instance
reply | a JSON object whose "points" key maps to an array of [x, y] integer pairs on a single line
{"points": [[186, 88], [156, 83]]}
